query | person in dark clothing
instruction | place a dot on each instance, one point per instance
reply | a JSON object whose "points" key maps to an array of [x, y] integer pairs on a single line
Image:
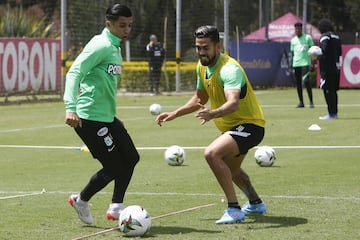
{"points": [[156, 54], [330, 63]]}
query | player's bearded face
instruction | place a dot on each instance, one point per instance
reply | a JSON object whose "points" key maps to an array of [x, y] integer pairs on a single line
{"points": [[207, 60], [207, 51]]}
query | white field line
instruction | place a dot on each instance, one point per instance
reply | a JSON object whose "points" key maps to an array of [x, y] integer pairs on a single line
{"points": [[60, 126], [31, 129], [23, 194], [13, 194], [188, 148], [263, 105], [143, 118], [319, 105]]}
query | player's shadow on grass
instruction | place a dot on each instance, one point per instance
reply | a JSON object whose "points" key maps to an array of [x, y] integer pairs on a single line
{"points": [[275, 221], [159, 230]]}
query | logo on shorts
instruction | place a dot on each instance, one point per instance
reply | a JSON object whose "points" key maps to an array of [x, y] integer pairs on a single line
{"points": [[108, 138], [109, 142], [102, 131], [239, 132]]}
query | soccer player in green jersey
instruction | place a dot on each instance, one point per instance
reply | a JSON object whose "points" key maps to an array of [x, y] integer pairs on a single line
{"points": [[236, 113], [301, 63], [90, 101]]}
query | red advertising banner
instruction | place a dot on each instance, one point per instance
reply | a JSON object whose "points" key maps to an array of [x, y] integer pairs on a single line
{"points": [[350, 69], [32, 64]]}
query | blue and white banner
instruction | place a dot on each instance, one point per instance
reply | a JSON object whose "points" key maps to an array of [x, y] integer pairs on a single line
{"points": [[266, 64]]}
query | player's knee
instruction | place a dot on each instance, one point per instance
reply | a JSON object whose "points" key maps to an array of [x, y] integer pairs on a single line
{"points": [[210, 155]]}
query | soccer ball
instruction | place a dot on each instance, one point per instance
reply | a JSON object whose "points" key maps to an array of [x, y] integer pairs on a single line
{"points": [[155, 109], [314, 52], [175, 155], [265, 156], [134, 221]]}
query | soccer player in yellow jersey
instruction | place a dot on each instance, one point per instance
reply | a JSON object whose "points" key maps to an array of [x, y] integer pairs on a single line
{"points": [[236, 113]]}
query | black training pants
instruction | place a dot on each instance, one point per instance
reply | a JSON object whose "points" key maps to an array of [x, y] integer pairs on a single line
{"points": [[113, 147]]}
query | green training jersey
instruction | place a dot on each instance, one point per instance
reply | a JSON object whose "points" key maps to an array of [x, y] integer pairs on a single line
{"points": [[91, 82], [299, 47]]}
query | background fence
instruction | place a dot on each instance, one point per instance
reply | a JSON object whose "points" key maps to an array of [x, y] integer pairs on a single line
{"points": [[22, 63]]}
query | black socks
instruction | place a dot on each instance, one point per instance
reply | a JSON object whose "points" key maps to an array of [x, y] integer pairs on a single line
{"points": [[257, 201], [234, 205]]}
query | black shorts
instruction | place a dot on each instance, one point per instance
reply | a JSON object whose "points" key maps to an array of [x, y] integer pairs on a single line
{"points": [[110, 143], [247, 136]]}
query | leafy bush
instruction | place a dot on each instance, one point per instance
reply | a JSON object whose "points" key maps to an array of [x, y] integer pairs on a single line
{"points": [[16, 23]]}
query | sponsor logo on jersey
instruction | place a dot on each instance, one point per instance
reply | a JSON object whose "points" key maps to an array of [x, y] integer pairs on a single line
{"points": [[114, 69]]}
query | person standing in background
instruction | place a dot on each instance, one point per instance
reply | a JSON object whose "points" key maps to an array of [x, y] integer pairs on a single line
{"points": [[156, 54], [301, 63], [330, 62]]}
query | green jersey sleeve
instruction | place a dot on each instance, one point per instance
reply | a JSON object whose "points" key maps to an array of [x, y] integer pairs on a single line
{"points": [[232, 77], [87, 60]]}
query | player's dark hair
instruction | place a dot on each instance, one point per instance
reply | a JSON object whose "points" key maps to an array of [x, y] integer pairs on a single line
{"points": [[117, 10], [325, 25], [298, 24], [207, 32]]}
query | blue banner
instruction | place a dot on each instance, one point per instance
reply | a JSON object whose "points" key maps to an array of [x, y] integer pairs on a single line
{"points": [[266, 64]]}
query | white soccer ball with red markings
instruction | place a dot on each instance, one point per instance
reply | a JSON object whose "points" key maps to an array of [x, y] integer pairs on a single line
{"points": [[175, 155], [265, 156], [155, 109], [134, 221], [314, 52]]}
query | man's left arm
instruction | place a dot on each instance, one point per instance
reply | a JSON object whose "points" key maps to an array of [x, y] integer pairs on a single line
{"points": [[230, 106], [233, 80]]}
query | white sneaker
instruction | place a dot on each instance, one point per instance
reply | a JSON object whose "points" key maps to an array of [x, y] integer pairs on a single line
{"points": [[82, 208], [329, 117], [231, 215], [113, 212]]}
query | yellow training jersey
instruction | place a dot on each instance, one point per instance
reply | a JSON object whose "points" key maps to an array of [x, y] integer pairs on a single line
{"points": [[249, 110]]}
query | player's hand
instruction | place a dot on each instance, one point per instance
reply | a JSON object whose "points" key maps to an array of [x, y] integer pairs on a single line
{"points": [[204, 114], [163, 117], [72, 119]]}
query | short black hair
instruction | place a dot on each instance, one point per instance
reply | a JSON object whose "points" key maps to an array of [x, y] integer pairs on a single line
{"points": [[298, 24], [115, 11], [325, 25], [207, 31]]}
